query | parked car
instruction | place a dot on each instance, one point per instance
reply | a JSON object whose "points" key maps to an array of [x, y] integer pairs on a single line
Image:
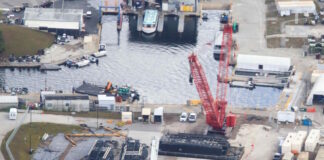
{"points": [[192, 117], [183, 117]]}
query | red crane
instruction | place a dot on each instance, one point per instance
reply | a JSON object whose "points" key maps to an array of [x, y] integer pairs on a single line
{"points": [[215, 109]]}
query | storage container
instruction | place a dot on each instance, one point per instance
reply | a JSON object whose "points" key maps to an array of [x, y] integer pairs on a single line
{"points": [[286, 145], [311, 109], [288, 156], [312, 140]]}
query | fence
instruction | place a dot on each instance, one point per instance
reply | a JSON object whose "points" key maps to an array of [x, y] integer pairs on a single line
{"points": [[13, 135]]}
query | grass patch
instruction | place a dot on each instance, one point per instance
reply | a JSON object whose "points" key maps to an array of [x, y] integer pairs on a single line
{"points": [[21, 41], [273, 43], [107, 115], [295, 42], [20, 144]]}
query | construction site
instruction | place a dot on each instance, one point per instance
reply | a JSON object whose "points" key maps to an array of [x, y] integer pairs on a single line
{"points": [[172, 80]]}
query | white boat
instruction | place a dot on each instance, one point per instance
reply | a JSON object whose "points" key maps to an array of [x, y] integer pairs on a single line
{"points": [[100, 54], [83, 63], [150, 21]]}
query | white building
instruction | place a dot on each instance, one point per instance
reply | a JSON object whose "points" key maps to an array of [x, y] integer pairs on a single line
{"points": [[8, 101], [67, 102], [106, 102], [255, 63], [288, 7], [317, 93], [69, 21]]}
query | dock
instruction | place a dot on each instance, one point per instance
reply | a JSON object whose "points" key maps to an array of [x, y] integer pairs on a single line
{"points": [[258, 81], [160, 22], [181, 23], [241, 84], [49, 67], [140, 21]]}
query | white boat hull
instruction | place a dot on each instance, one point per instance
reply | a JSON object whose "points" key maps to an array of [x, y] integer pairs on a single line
{"points": [[149, 30], [83, 63]]}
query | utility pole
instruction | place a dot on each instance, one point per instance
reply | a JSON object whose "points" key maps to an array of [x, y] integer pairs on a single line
{"points": [[97, 117], [30, 130]]}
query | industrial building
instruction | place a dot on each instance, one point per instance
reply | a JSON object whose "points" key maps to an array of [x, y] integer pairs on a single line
{"points": [[69, 21], [67, 102], [106, 102], [8, 101], [254, 64], [288, 7], [316, 95]]}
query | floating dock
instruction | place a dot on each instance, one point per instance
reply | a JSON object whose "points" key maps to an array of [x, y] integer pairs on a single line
{"points": [[49, 67], [241, 84], [241, 81]]}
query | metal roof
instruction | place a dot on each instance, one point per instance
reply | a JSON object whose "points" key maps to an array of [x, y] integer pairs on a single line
{"points": [[52, 14], [103, 97], [318, 89], [146, 111], [8, 99], [66, 97], [268, 62], [158, 111]]}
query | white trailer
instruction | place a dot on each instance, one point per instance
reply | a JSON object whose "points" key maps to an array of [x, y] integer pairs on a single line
{"points": [[286, 116], [13, 113]]}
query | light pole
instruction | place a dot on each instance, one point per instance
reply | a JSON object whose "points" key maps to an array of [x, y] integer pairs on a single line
{"points": [[30, 130]]}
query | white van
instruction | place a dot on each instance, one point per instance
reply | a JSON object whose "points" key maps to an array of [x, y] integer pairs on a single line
{"points": [[13, 113]]}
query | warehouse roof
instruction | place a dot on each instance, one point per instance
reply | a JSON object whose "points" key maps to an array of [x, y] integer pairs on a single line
{"points": [[295, 3], [318, 89], [66, 97], [52, 14], [268, 62], [8, 99]]}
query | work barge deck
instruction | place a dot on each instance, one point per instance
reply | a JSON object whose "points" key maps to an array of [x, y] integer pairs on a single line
{"points": [[199, 146]]}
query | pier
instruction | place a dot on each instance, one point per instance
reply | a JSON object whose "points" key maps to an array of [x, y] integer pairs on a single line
{"points": [[180, 11]]}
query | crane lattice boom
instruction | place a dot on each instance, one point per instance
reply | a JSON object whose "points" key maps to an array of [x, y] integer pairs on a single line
{"points": [[215, 109]]}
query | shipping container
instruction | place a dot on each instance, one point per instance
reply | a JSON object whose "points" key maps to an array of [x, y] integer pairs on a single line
{"points": [[312, 140], [298, 143], [127, 117], [286, 116], [288, 156], [286, 145], [311, 109]]}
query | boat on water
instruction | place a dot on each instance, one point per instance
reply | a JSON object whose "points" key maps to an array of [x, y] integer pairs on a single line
{"points": [[100, 54], [150, 21]]}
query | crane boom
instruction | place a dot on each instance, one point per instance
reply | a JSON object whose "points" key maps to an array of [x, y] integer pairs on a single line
{"points": [[215, 109]]}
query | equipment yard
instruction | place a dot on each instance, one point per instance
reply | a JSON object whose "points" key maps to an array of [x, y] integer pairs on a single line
{"points": [[162, 80]]}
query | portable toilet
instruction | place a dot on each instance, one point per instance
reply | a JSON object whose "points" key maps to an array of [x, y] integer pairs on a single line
{"points": [[13, 113], [158, 115], [146, 114]]}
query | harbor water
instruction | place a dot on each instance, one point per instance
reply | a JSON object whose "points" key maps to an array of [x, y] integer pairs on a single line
{"points": [[156, 65]]}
